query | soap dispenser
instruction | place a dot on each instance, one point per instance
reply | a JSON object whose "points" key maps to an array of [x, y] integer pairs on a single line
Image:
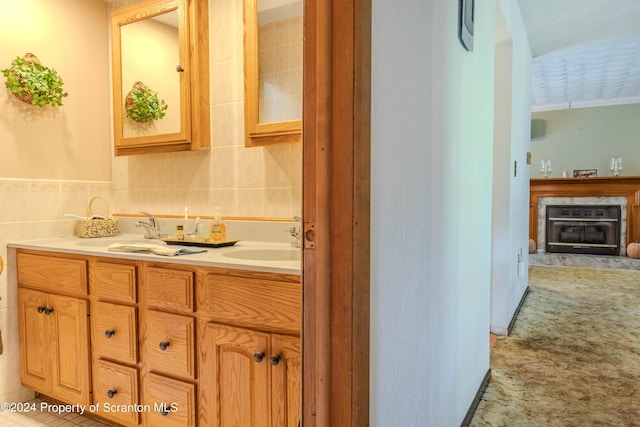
{"points": [[218, 229]]}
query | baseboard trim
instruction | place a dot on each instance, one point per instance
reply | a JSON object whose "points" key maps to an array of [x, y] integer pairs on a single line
{"points": [[515, 313], [476, 399]]}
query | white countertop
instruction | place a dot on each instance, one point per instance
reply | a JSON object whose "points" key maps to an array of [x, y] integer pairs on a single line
{"points": [[213, 257]]}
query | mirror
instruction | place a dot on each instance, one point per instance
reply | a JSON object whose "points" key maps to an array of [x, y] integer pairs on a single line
{"points": [[160, 77], [273, 71], [149, 52]]}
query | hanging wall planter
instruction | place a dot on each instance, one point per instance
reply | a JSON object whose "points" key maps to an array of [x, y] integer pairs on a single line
{"points": [[33, 83], [143, 105]]}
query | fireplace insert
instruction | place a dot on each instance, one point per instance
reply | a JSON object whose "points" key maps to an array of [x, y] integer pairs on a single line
{"points": [[583, 229]]}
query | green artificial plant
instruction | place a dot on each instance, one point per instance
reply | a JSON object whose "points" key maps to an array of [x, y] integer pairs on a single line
{"points": [[143, 104], [34, 83]]}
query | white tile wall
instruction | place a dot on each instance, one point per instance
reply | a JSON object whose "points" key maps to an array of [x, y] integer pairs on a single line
{"points": [[33, 209], [245, 182]]}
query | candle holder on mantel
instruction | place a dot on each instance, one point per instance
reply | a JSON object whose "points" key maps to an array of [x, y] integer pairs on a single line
{"points": [[615, 166], [545, 168]]}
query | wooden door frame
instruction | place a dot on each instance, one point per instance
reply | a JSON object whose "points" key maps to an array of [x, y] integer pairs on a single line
{"points": [[336, 181]]}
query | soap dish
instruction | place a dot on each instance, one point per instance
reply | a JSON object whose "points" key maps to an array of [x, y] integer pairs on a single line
{"points": [[175, 241]]}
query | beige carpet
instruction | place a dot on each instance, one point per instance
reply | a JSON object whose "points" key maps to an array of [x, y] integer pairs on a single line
{"points": [[573, 358]]}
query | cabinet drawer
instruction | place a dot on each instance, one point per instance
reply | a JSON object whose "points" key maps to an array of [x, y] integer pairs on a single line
{"points": [[52, 273], [116, 385], [114, 332], [116, 282], [170, 344], [254, 302], [170, 289], [171, 402]]}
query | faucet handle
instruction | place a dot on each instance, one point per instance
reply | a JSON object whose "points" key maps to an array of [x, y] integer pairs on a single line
{"points": [[152, 219]]}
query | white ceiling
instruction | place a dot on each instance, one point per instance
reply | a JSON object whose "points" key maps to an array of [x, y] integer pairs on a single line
{"points": [[585, 52]]}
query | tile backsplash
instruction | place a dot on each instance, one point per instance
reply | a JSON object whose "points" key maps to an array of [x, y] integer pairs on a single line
{"points": [[34, 209], [244, 182]]}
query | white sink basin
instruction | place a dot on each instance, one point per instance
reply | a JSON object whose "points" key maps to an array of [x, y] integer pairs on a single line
{"points": [[103, 242], [265, 254]]}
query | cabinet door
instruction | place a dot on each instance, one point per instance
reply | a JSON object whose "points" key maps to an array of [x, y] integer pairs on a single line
{"points": [[70, 326], [286, 380], [35, 351], [236, 377]]}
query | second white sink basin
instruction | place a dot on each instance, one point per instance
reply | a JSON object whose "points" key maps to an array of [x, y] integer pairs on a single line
{"points": [[265, 254]]}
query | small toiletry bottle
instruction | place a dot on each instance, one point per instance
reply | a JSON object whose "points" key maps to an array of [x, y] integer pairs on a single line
{"points": [[195, 233], [218, 229], [180, 232], [203, 232]]}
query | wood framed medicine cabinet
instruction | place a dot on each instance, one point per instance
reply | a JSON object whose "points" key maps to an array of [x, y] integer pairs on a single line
{"points": [[165, 45], [272, 72]]}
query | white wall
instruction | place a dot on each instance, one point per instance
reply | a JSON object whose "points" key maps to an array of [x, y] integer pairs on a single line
{"points": [[432, 139], [587, 138], [509, 280]]}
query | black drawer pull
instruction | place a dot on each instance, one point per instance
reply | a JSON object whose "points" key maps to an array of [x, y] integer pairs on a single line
{"points": [[275, 359], [258, 356], [164, 345], [41, 309], [109, 333], [111, 393], [165, 410], [48, 311]]}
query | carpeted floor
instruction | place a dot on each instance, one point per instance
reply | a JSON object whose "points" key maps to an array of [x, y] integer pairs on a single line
{"points": [[573, 358]]}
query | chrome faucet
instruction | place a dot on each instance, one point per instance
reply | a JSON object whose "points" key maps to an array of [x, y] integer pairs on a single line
{"points": [[152, 225], [296, 233]]}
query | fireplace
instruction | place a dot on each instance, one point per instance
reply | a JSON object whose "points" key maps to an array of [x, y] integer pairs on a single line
{"points": [[583, 229]]}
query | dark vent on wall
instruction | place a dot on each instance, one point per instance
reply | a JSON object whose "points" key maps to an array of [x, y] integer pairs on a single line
{"points": [[538, 129]]}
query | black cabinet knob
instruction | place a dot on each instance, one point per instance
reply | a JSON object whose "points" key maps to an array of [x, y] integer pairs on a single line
{"points": [[41, 309], [165, 411], [275, 359], [164, 345], [109, 333], [258, 356], [111, 393], [48, 311]]}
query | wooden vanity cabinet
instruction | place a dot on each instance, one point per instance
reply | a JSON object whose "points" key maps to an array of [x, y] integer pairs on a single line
{"points": [[114, 337], [250, 367], [54, 327], [195, 345]]}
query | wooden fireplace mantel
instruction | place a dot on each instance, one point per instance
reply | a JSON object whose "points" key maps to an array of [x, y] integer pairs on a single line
{"points": [[612, 186]]}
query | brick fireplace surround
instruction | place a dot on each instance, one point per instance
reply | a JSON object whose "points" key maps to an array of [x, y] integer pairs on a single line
{"points": [[618, 187]]}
